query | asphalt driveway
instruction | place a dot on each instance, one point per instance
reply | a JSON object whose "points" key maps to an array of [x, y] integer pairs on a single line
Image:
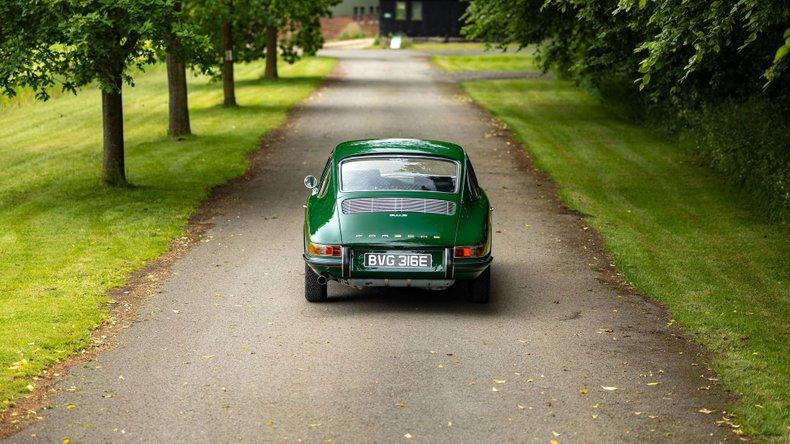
{"points": [[229, 350]]}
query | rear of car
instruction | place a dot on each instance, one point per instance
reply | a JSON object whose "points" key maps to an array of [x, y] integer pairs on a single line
{"points": [[399, 216]]}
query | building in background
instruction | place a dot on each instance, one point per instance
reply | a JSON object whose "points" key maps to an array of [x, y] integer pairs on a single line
{"points": [[421, 18], [352, 19]]}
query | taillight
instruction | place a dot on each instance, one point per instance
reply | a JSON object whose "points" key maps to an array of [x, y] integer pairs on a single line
{"points": [[323, 250], [470, 251]]}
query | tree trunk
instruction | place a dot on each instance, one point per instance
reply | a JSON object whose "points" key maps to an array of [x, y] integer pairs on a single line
{"points": [[178, 125], [271, 52], [228, 86], [113, 169], [177, 92]]}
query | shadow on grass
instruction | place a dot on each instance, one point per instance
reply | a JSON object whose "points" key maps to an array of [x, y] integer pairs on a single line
{"points": [[243, 83]]}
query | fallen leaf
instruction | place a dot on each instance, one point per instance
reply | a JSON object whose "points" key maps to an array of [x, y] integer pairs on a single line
{"points": [[407, 436], [705, 411], [494, 389], [610, 389], [499, 381], [555, 433], [520, 407], [176, 311], [449, 423], [653, 383], [583, 392], [554, 441], [70, 406]]}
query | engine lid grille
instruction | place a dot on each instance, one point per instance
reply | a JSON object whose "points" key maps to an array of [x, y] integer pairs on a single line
{"points": [[397, 205]]}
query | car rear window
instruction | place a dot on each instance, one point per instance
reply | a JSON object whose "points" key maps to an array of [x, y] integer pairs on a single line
{"points": [[399, 173]]}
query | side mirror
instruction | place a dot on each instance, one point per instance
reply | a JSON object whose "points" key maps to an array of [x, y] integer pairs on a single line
{"points": [[310, 182]]}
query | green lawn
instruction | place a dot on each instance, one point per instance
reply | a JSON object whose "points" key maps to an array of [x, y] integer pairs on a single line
{"points": [[454, 46], [678, 232], [65, 239], [486, 62]]}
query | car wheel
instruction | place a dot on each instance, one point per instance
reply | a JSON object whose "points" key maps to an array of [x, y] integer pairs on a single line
{"points": [[314, 291], [479, 289]]}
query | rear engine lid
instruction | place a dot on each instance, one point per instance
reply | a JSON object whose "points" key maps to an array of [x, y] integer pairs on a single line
{"points": [[398, 220]]}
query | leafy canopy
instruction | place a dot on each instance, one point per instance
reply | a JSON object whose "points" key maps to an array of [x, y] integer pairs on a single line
{"points": [[71, 43], [674, 51], [298, 23]]}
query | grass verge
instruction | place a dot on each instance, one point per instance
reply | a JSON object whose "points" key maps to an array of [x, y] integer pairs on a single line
{"points": [[507, 62], [65, 239], [679, 234]]}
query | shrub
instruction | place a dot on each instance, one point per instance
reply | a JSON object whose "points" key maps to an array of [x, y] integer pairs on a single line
{"points": [[748, 142]]}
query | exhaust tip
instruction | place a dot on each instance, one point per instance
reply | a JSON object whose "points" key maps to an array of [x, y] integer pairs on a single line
{"points": [[322, 279]]}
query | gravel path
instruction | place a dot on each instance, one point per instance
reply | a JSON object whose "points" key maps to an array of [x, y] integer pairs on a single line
{"points": [[230, 351]]}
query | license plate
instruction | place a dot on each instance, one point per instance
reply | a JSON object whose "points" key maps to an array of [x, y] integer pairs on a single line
{"points": [[397, 260]]}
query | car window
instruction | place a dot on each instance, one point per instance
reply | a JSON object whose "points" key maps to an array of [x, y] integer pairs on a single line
{"points": [[474, 187], [399, 173], [325, 176]]}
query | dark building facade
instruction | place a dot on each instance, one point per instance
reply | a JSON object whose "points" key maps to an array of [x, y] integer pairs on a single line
{"points": [[421, 18]]}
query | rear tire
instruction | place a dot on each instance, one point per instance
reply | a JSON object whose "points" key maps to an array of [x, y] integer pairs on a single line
{"points": [[479, 290], [313, 290]]}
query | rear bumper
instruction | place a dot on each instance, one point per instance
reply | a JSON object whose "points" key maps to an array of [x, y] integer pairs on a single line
{"points": [[342, 269], [471, 268]]}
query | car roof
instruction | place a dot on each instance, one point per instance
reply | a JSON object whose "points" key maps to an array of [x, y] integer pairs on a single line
{"points": [[398, 146]]}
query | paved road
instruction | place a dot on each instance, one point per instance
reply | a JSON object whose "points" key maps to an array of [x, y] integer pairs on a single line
{"points": [[230, 350]]}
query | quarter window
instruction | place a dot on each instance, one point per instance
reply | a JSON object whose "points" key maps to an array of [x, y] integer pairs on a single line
{"points": [[471, 179], [325, 179]]}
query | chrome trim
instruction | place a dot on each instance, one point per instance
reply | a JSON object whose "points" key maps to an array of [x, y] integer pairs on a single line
{"points": [[322, 260], [475, 263], [345, 255], [433, 284], [418, 156], [448, 263], [398, 205]]}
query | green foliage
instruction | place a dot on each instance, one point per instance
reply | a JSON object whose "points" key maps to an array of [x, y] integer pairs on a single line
{"points": [[352, 35], [676, 56], [748, 144], [75, 42], [673, 50], [298, 22]]}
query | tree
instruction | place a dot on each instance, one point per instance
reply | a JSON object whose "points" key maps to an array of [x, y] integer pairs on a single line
{"points": [[248, 30], [72, 43], [178, 106], [673, 52], [295, 27]]}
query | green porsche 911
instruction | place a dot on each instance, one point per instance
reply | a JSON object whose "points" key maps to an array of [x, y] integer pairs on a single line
{"points": [[397, 213]]}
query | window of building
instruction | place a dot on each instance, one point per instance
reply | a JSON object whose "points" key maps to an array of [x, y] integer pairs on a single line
{"points": [[400, 10], [416, 11]]}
